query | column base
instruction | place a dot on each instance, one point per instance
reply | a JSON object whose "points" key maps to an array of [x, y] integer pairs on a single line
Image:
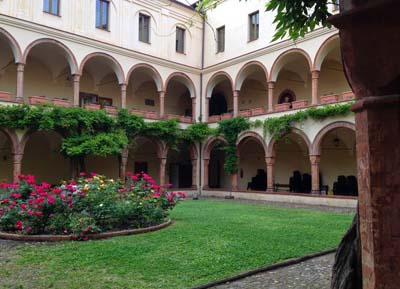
{"points": [[270, 191], [315, 192]]}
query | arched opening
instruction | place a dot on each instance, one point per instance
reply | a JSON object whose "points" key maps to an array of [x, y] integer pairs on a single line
{"points": [[218, 178], [332, 80], [42, 158], [8, 69], [6, 158], [106, 166], [221, 97], [252, 165], [144, 156], [218, 104], [339, 162], [179, 167], [48, 73], [142, 94], [292, 164], [293, 87], [253, 97], [178, 98], [100, 83]]}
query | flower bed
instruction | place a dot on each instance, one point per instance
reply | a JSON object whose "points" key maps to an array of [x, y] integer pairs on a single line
{"points": [[89, 206]]}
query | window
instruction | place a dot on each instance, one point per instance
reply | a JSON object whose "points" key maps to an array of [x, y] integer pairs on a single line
{"points": [[102, 10], [180, 40], [51, 6], [221, 39], [254, 24], [144, 28]]}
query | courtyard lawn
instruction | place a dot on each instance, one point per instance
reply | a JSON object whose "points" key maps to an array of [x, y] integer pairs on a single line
{"points": [[210, 240]]}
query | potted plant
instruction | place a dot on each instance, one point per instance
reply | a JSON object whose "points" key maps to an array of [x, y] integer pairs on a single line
{"points": [[299, 104], [331, 98], [63, 102], [38, 99], [5, 96]]}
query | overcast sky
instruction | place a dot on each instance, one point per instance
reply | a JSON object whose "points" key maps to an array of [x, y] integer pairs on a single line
{"points": [[187, 1]]}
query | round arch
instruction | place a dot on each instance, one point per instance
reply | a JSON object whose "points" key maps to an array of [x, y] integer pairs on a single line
{"points": [[153, 73], [161, 149], [184, 79], [73, 64], [283, 58], [16, 49], [209, 145], [296, 131], [13, 138], [316, 146], [244, 137], [324, 49], [215, 79], [115, 65], [247, 69]]}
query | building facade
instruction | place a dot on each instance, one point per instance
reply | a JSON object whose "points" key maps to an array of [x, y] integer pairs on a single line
{"points": [[161, 60]]}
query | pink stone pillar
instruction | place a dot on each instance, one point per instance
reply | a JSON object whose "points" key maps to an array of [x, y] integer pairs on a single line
{"points": [[162, 103], [205, 172], [315, 182], [123, 163], [315, 77], [20, 82], [234, 178], [76, 85], [163, 163], [236, 102], [270, 173], [271, 87], [206, 109], [194, 173], [194, 109], [17, 165], [123, 95]]}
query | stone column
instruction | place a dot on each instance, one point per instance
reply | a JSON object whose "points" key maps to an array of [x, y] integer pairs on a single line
{"points": [[206, 109], [162, 103], [20, 82], [315, 77], [236, 102], [163, 163], [271, 86], [123, 95], [123, 163], [205, 173], [315, 182], [234, 178], [194, 109], [270, 173], [378, 157], [76, 85], [17, 165], [194, 174]]}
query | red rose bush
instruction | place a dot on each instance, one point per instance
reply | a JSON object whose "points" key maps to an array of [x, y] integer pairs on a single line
{"points": [[89, 205]]}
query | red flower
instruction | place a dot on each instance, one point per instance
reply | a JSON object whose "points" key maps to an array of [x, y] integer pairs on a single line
{"points": [[38, 214], [30, 179], [82, 174], [21, 176], [51, 200], [63, 197], [19, 225], [23, 206], [56, 191], [128, 173], [182, 195], [93, 174]]}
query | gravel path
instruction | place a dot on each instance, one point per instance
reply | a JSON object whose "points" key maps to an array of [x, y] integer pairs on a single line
{"points": [[311, 274]]}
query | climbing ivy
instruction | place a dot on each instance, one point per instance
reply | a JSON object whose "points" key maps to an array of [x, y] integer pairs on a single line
{"points": [[279, 126]]}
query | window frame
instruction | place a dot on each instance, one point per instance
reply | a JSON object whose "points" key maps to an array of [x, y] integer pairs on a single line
{"points": [[252, 35], [102, 2], [50, 4], [148, 17], [221, 48], [178, 28]]}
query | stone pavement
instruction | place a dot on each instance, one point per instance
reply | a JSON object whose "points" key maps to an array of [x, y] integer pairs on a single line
{"points": [[311, 274]]}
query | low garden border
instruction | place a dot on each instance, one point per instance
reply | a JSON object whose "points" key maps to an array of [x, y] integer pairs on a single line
{"points": [[61, 238]]}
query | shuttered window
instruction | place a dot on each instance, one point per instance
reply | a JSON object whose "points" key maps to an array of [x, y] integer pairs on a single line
{"points": [[180, 40], [144, 28], [102, 14], [254, 24], [51, 6], [221, 39]]}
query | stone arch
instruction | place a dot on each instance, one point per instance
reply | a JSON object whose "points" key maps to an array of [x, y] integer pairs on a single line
{"points": [[153, 72], [244, 137], [115, 65], [280, 62], [324, 50], [186, 80], [13, 138], [243, 73], [316, 145], [16, 49], [296, 131], [73, 64], [208, 146], [161, 149], [214, 79]]}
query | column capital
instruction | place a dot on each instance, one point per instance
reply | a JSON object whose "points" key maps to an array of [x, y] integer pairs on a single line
{"points": [[17, 157], [161, 93], [76, 77], [315, 74], [20, 66], [271, 84], [236, 93], [123, 86], [270, 161], [315, 159]]}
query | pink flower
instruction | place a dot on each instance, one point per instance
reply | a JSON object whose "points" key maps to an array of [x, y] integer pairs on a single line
{"points": [[135, 178], [30, 212], [30, 179], [23, 206], [128, 173], [15, 195], [56, 191], [51, 200], [182, 195], [28, 229], [31, 202], [93, 174], [168, 185], [63, 197], [82, 174], [19, 225], [38, 214], [21, 176]]}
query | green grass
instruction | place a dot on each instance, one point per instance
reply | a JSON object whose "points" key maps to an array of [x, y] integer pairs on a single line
{"points": [[209, 240]]}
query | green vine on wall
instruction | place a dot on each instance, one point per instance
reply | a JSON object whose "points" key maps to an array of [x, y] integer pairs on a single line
{"points": [[279, 126]]}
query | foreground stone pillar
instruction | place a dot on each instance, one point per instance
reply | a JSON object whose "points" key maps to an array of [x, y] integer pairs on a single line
{"points": [[315, 78], [378, 157], [17, 165], [206, 109], [271, 87], [194, 109], [20, 82], [205, 173], [162, 103], [76, 86], [234, 179], [270, 173], [163, 163], [236, 103], [315, 182], [123, 95], [123, 163], [194, 174]]}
